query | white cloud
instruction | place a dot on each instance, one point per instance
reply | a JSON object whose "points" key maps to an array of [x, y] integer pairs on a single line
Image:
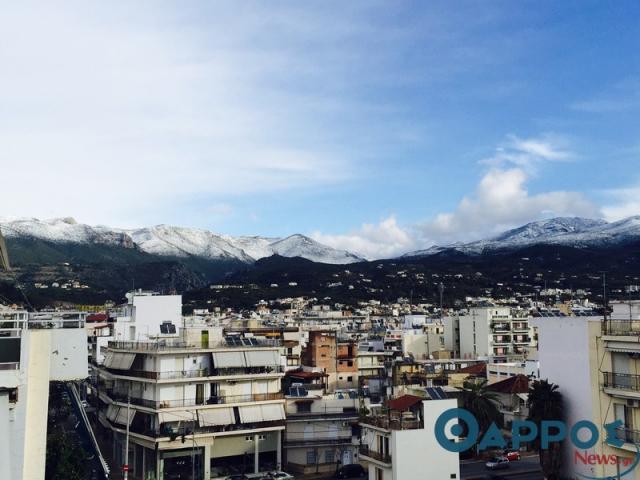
{"points": [[626, 203], [382, 240], [500, 201], [528, 153]]}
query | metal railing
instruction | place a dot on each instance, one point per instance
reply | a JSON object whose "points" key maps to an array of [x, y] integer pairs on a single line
{"points": [[174, 344], [192, 402], [628, 435], [391, 423], [199, 373], [622, 381], [621, 327], [365, 450]]}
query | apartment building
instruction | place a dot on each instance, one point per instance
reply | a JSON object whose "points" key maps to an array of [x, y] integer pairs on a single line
{"points": [[397, 442], [595, 364], [321, 433], [374, 372], [496, 333], [193, 400], [34, 350]]}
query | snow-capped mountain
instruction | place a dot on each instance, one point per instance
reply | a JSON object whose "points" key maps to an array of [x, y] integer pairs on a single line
{"points": [[569, 231], [166, 240]]}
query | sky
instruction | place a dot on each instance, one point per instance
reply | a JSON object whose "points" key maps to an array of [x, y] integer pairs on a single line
{"points": [[377, 127]]}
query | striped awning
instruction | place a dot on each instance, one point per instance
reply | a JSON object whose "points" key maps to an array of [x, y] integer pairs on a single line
{"points": [[262, 358], [228, 359]]}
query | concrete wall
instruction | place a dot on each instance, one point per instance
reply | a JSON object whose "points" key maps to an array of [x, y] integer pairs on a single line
{"points": [[567, 354]]}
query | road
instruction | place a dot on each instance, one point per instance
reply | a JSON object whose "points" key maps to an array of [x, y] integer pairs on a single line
{"points": [[477, 470]]}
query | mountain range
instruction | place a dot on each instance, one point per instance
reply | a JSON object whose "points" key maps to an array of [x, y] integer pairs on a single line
{"points": [[565, 252], [176, 242], [567, 231]]}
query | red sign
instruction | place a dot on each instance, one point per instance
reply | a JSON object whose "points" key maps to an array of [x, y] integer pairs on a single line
{"points": [[125, 468]]}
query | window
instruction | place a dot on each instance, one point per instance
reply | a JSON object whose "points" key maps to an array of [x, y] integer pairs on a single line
{"points": [[350, 363], [379, 474], [248, 438], [349, 379], [311, 457], [329, 456]]}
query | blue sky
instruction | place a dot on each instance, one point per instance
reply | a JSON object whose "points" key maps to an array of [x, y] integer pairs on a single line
{"points": [[380, 127]]}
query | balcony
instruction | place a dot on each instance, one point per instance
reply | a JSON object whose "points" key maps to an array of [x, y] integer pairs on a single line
{"points": [[500, 327], [622, 384], [628, 436], [191, 402], [391, 423], [318, 442], [202, 373], [175, 344], [367, 452], [621, 327]]}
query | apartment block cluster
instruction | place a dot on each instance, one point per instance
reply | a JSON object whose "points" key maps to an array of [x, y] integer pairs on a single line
{"points": [[311, 389]]}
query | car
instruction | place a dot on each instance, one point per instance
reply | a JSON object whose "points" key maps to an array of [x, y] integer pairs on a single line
{"points": [[512, 455], [280, 476], [497, 463], [351, 471]]}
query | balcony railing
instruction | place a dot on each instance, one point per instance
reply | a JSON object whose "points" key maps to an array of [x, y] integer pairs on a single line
{"points": [[391, 423], [175, 344], [302, 442], [628, 436], [192, 402], [622, 381], [621, 327], [201, 373], [365, 450]]}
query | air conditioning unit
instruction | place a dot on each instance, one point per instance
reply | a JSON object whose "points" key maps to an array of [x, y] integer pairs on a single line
{"points": [[633, 403]]}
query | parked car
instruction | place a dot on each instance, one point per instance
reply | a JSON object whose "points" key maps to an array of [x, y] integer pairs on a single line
{"points": [[497, 463], [512, 455], [280, 476], [354, 470]]}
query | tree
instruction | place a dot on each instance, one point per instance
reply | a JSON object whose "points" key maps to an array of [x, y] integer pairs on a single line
{"points": [[546, 403], [482, 403]]}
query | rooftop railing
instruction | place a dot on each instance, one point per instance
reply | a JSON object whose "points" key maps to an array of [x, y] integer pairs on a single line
{"points": [[200, 373], [392, 423], [621, 327]]}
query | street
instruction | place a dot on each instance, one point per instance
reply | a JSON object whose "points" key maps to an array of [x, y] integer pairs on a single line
{"points": [[516, 470]]}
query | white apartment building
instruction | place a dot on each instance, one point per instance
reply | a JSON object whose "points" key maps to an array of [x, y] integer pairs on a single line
{"points": [[496, 333], [34, 350], [197, 400], [399, 443], [320, 435]]}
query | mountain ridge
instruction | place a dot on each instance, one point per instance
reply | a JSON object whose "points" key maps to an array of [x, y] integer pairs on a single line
{"points": [[179, 242]]}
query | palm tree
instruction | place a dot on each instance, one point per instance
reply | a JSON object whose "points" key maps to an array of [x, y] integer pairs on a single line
{"points": [[482, 403], [545, 403]]}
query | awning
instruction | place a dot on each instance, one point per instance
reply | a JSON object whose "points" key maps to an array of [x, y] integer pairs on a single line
{"points": [[228, 359], [216, 416], [108, 359], [119, 361], [112, 412], [166, 417], [262, 413], [262, 358], [273, 412], [122, 416], [251, 414]]}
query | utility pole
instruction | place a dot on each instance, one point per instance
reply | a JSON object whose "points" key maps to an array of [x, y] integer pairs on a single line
{"points": [[125, 466]]}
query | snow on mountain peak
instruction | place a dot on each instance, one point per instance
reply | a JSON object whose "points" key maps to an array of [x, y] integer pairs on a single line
{"points": [[167, 240]]}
